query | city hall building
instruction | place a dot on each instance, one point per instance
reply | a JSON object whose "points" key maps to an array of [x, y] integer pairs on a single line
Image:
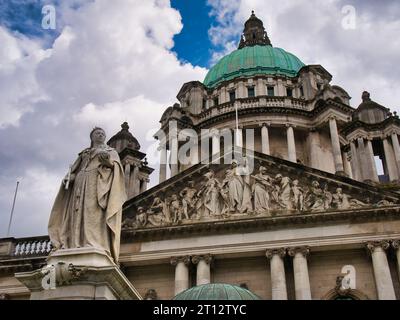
{"points": [[306, 208]]}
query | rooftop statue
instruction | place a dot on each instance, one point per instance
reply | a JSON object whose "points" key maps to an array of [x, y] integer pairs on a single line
{"points": [[88, 208]]}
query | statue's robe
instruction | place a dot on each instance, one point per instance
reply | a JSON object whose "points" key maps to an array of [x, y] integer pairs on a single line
{"points": [[88, 214]]}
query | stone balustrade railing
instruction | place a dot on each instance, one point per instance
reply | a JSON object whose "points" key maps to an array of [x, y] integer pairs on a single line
{"points": [[255, 102], [25, 247]]}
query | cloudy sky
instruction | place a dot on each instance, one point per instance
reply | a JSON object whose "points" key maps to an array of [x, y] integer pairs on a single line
{"points": [[125, 60]]}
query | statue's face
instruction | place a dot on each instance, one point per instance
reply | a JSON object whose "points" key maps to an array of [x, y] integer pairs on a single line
{"points": [[98, 136]]}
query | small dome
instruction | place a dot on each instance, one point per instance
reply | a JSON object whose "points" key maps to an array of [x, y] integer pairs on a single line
{"points": [[216, 291], [124, 139], [253, 60]]}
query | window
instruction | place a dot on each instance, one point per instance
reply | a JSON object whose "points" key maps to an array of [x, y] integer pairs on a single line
{"points": [[204, 103], [271, 91], [215, 102], [301, 91], [251, 92], [289, 92], [232, 96]]}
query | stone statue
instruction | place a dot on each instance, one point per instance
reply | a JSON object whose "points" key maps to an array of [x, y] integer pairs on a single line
{"points": [[87, 210], [211, 195], [247, 206], [315, 198], [233, 184], [175, 209], [141, 217], [158, 214], [343, 201], [298, 196], [189, 199], [261, 187]]}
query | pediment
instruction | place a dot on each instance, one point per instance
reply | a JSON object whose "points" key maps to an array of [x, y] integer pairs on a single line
{"points": [[268, 187]]}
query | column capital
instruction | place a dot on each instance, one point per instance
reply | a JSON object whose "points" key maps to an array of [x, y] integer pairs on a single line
{"points": [[313, 129], [265, 124], [281, 252], [207, 258], [383, 244], [396, 244], [290, 125], [185, 259], [332, 117], [305, 251]]}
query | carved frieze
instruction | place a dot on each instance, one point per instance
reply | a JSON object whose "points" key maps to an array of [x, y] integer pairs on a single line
{"points": [[229, 192]]}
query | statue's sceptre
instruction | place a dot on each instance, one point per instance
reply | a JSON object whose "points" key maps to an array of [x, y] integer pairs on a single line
{"points": [[68, 178]]}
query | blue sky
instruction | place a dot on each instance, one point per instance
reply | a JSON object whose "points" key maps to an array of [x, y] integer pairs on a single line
{"points": [[192, 44]]}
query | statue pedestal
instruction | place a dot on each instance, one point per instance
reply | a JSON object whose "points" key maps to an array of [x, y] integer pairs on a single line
{"points": [[78, 274]]}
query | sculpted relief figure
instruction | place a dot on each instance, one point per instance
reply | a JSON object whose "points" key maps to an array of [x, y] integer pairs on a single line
{"points": [[210, 194], [158, 214], [189, 199], [234, 187], [261, 187], [242, 193], [87, 210]]}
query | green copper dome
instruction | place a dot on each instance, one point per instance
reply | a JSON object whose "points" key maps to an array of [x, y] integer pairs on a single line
{"points": [[253, 60], [216, 291]]}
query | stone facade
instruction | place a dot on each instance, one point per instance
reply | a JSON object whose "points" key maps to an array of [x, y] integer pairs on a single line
{"points": [[303, 213]]}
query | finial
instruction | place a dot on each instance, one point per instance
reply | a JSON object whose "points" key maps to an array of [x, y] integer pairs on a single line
{"points": [[252, 12], [125, 126], [366, 96]]}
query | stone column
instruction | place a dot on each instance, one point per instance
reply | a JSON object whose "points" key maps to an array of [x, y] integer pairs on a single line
{"points": [[346, 164], [337, 154], [260, 88], [315, 147], [203, 269], [181, 273], [369, 152], [396, 148], [216, 144], [163, 162], [127, 175], [355, 163], [278, 278], [133, 190], [174, 157], [291, 144], [390, 161], [383, 279], [396, 247], [362, 159], [265, 139], [300, 269], [194, 156], [239, 138], [143, 187]]}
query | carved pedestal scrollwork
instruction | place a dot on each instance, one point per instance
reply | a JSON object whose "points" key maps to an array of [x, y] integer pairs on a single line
{"points": [[4, 296], [151, 294]]}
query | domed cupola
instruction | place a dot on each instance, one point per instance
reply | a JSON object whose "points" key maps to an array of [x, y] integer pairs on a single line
{"points": [[124, 139], [254, 33], [369, 111], [255, 56]]}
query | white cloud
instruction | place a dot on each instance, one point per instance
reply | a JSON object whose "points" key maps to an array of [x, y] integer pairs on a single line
{"points": [[365, 58], [111, 63]]}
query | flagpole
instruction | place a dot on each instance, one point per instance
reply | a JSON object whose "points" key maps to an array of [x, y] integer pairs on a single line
{"points": [[237, 125], [12, 210]]}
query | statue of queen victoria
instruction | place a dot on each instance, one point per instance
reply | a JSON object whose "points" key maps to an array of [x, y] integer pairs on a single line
{"points": [[88, 208]]}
